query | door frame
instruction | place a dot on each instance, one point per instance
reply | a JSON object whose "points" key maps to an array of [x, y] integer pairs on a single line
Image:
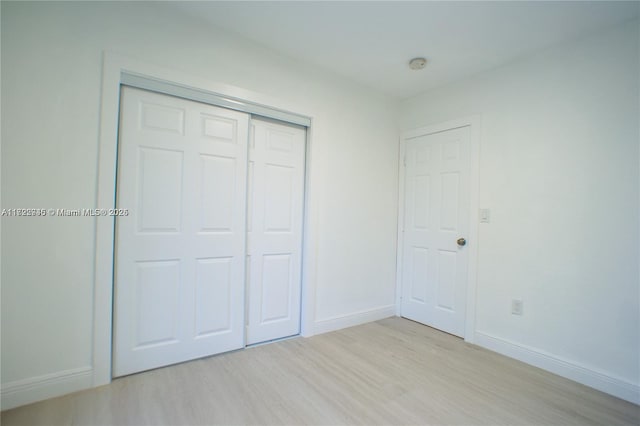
{"points": [[473, 122], [117, 69]]}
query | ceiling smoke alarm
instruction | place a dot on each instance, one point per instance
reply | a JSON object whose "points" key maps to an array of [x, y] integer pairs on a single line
{"points": [[417, 63]]}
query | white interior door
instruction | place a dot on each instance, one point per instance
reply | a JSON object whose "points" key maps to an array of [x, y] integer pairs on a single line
{"points": [[179, 273], [274, 243], [436, 216]]}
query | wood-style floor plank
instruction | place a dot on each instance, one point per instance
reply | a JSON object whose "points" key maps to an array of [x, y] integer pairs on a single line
{"points": [[392, 371]]}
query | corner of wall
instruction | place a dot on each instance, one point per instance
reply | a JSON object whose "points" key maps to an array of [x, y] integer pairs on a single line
{"points": [[353, 319]]}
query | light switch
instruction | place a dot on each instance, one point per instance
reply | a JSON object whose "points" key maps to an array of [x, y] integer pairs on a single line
{"points": [[516, 306], [485, 215]]}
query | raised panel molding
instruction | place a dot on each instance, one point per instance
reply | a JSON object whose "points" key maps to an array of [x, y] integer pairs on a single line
{"points": [[451, 150], [217, 176], [161, 117], [446, 269], [562, 367], [280, 141], [159, 183], [157, 295], [276, 287], [421, 200], [219, 128], [278, 208], [213, 296], [419, 273], [449, 195]]}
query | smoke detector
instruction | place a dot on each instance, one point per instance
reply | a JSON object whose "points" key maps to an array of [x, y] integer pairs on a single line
{"points": [[417, 63]]}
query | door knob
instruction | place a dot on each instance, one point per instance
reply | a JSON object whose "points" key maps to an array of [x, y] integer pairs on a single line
{"points": [[461, 242]]}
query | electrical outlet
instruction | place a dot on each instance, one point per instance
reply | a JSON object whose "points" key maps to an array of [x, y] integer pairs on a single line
{"points": [[516, 306]]}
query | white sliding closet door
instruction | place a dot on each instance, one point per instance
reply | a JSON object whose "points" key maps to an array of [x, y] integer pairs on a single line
{"points": [[274, 244], [180, 253]]}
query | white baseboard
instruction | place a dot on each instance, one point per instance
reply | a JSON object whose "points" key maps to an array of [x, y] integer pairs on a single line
{"points": [[562, 367], [22, 392], [356, 318]]}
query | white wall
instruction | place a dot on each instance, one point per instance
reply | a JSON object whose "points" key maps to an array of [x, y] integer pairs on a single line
{"points": [[559, 171], [51, 76]]}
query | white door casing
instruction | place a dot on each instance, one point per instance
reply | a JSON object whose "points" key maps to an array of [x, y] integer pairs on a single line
{"points": [[179, 261], [436, 211], [275, 225]]}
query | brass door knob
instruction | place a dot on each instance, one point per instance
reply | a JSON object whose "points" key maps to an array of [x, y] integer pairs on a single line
{"points": [[461, 242]]}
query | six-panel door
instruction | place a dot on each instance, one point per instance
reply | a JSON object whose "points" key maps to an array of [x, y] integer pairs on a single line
{"points": [[274, 244], [436, 215], [180, 266]]}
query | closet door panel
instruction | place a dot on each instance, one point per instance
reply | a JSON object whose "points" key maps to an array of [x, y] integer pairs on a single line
{"points": [[276, 200], [180, 253]]}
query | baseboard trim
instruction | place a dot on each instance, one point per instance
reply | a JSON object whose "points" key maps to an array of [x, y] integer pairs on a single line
{"points": [[33, 389], [562, 367], [22, 392], [356, 318]]}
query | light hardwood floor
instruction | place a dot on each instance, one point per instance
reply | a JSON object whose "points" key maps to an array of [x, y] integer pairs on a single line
{"points": [[392, 371]]}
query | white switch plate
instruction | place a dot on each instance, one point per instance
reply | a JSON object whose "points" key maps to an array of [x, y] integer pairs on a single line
{"points": [[485, 215], [516, 306]]}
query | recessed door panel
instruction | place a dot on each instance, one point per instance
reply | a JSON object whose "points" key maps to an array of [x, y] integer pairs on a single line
{"points": [[449, 199], [218, 191], [159, 203], [420, 196], [422, 155], [281, 140], [418, 274], [220, 128], [446, 280], [276, 287], [451, 149], [157, 301], [213, 296], [278, 198], [161, 117]]}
